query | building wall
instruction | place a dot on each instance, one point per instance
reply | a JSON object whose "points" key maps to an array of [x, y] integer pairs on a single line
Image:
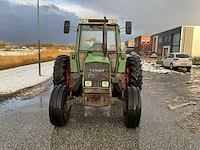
{"points": [[169, 40], [187, 40], [129, 43], [196, 42], [190, 42], [142, 43], [136, 46], [182, 39]]}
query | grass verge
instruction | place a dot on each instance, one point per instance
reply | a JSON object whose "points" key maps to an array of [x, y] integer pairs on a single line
{"points": [[16, 61], [196, 61]]}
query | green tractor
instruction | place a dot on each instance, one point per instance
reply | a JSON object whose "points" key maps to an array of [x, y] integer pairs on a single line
{"points": [[97, 73]]}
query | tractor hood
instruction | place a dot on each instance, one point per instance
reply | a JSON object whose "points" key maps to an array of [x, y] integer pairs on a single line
{"points": [[96, 57]]}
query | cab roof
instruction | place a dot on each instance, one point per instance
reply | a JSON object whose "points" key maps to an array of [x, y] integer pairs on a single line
{"points": [[97, 21]]}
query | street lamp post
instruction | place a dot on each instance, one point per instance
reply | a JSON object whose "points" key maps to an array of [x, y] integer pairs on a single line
{"points": [[38, 28]]}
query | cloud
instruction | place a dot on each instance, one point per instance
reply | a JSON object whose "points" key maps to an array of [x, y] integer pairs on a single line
{"points": [[50, 7], [148, 17], [19, 23]]}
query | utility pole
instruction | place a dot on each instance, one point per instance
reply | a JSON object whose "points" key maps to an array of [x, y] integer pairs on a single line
{"points": [[38, 27]]}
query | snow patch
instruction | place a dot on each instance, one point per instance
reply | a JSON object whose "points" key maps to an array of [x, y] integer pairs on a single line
{"points": [[154, 67], [14, 79]]}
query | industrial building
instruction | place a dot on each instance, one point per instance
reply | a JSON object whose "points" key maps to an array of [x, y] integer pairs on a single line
{"points": [[181, 39], [129, 43], [142, 43]]}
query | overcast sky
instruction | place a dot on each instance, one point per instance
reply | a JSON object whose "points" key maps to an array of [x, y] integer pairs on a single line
{"points": [[18, 18]]}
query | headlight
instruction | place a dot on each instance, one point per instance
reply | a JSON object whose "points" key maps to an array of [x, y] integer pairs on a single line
{"points": [[88, 83], [105, 84]]}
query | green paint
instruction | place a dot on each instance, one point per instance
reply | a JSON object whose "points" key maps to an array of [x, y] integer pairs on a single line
{"points": [[73, 62], [122, 63], [96, 57]]}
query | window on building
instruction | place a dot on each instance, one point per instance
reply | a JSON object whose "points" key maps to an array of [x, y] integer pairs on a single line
{"points": [[166, 38], [148, 41], [160, 40], [143, 42], [169, 38]]}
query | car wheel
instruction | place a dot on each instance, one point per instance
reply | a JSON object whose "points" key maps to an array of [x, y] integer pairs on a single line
{"points": [[171, 66], [188, 69]]}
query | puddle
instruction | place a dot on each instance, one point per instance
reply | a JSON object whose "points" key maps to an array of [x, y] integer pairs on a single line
{"points": [[28, 97]]}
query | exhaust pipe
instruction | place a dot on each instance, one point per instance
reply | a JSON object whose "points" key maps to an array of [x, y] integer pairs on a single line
{"points": [[105, 37]]}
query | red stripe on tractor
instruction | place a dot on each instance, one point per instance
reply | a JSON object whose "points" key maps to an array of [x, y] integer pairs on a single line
{"points": [[67, 75], [127, 75]]}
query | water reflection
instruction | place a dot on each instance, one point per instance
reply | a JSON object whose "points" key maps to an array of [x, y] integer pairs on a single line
{"points": [[18, 102]]}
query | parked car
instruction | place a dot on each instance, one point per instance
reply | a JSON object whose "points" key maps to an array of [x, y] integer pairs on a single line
{"points": [[129, 50], [148, 52], [153, 55], [141, 53], [133, 53], [175, 60]]}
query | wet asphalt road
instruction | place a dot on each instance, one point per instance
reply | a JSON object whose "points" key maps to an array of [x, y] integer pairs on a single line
{"points": [[25, 124]]}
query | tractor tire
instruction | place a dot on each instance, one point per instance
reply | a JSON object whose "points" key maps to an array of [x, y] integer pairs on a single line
{"points": [[114, 92], [61, 70], [58, 113], [134, 72], [132, 107]]}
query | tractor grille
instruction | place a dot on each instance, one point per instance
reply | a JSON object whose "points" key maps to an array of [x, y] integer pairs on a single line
{"points": [[97, 72]]}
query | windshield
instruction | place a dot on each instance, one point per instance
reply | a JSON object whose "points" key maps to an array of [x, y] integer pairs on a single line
{"points": [[182, 56], [92, 38]]}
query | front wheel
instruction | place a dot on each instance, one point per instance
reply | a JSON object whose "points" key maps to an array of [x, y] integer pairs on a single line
{"points": [[59, 113], [132, 107]]}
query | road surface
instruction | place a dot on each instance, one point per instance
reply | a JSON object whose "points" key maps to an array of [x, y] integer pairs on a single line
{"points": [[24, 124]]}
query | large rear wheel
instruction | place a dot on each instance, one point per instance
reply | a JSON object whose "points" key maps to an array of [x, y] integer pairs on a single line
{"points": [[61, 70], [59, 112], [132, 107], [61, 73], [134, 72]]}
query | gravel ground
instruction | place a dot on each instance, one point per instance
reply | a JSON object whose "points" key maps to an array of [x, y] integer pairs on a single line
{"points": [[24, 124]]}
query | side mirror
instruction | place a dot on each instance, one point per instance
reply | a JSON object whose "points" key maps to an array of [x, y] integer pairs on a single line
{"points": [[67, 27], [128, 27]]}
